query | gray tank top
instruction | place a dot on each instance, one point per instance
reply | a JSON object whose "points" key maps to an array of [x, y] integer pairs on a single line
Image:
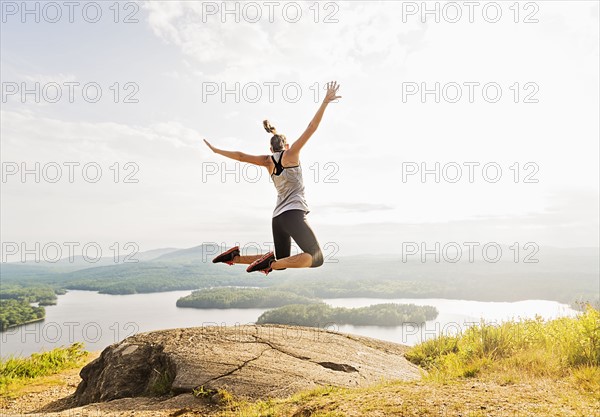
{"points": [[290, 187]]}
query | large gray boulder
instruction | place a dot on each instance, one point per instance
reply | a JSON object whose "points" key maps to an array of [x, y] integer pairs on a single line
{"points": [[252, 361]]}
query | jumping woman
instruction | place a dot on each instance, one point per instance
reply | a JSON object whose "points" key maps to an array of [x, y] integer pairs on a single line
{"points": [[289, 216]]}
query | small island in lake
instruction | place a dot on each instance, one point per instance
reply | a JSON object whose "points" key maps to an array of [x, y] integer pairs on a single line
{"points": [[321, 314], [242, 298]]}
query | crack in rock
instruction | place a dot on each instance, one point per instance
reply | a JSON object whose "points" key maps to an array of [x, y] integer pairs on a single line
{"points": [[277, 348], [235, 369], [340, 367]]}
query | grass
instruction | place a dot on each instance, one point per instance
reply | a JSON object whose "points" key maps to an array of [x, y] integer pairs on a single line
{"points": [[162, 383], [15, 372], [563, 348]]}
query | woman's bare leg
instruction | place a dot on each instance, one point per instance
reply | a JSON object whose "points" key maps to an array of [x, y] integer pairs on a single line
{"points": [[302, 260], [246, 260]]}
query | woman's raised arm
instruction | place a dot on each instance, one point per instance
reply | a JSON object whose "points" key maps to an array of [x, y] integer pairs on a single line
{"points": [[331, 95]]}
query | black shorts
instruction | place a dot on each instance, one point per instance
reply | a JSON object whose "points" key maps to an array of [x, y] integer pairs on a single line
{"points": [[292, 224]]}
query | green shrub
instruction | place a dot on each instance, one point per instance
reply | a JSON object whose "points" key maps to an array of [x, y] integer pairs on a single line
{"points": [[533, 347], [15, 369]]}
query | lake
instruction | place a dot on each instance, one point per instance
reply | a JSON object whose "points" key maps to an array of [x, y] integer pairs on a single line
{"points": [[99, 320]]}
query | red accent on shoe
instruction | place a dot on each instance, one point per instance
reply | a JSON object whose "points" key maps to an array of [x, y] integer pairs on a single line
{"points": [[259, 260]]}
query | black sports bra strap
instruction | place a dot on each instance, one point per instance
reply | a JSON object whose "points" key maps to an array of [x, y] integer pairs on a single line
{"points": [[278, 165]]}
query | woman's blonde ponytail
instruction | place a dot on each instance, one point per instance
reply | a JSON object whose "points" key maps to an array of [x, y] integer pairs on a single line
{"points": [[269, 128], [278, 141]]}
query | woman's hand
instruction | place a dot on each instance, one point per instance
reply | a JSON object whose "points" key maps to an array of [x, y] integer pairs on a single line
{"points": [[212, 148], [331, 95]]}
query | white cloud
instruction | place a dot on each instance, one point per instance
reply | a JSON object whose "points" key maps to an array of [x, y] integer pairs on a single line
{"points": [[366, 34], [30, 132]]}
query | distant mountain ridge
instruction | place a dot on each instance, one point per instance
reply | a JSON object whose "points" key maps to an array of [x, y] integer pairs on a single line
{"points": [[78, 262], [561, 274]]}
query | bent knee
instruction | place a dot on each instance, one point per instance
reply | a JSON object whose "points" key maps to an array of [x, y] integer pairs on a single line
{"points": [[317, 258]]}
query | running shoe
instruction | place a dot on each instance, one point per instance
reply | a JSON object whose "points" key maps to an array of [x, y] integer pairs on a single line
{"points": [[262, 264], [227, 257]]}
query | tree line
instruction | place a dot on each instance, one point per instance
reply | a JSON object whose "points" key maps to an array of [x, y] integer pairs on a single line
{"points": [[321, 314], [16, 304], [241, 298]]}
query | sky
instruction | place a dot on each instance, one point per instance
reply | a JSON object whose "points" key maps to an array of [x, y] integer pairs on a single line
{"points": [[497, 105]]}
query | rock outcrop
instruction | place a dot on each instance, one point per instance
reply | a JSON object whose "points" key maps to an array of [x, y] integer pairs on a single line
{"points": [[250, 361]]}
